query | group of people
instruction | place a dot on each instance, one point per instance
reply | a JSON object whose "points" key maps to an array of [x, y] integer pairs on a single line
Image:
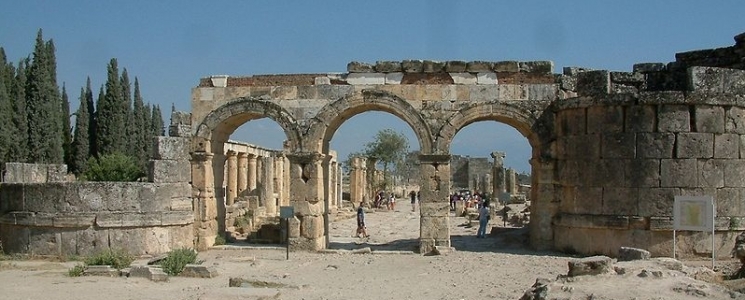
{"points": [[475, 200]]}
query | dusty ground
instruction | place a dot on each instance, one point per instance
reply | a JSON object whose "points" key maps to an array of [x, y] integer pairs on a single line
{"points": [[498, 267]]}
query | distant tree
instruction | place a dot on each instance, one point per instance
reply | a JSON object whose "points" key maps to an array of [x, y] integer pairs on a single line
{"points": [[81, 141], [141, 135], [110, 116], [66, 129], [43, 106], [157, 122], [6, 119], [20, 114], [389, 148]]}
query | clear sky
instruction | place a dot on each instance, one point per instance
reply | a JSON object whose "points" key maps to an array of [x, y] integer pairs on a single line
{"points": [[169, 45]]}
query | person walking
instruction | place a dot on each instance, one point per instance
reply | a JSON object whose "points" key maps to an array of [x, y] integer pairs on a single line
{"points": [[361, 228], [412, 195], [483, 220]]}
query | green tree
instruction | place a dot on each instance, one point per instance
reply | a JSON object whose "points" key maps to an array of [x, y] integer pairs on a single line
{"points": [[19, 153], [66, 129], [388, 149], [43, 106], [6, 120], [157, 122], [81, 141], [91, 118], [140, 122], [110, 115], [112, 167]]}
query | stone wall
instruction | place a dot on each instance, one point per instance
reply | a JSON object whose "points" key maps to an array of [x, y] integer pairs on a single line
{"points": [[34, 173], [48, 217]]}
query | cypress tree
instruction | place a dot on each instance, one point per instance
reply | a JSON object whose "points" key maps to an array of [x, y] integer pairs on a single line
{"points": [[101, 112], [141, 132], [6, 118], [66, 129], [91, 119], [157, 122], [147, 131], [43, 106], [81, 141], [130, 143], [19, 153], [110, 116]]}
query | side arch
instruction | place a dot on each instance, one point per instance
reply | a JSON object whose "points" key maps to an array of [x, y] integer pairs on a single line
{"points": [[332, 116], [223, 121]]}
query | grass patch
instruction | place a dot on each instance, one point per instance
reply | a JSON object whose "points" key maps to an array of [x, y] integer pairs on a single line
{"points": [[220, 240], [76, 271], [177, 259]]}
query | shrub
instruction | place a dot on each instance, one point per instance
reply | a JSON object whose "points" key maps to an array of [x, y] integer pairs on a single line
{"points": [[220, 240], [177, 259], [118, 259], [76, 271], [112, 167]]}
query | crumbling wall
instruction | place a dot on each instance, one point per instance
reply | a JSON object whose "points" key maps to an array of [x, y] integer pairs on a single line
{"points": [[80, 218], [34, 173]]}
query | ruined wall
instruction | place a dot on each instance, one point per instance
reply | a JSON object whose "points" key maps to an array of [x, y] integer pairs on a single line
{"points": [[47, 217]]}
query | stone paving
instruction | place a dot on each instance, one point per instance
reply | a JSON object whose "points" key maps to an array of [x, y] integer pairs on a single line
{"points": [[399, 231]]}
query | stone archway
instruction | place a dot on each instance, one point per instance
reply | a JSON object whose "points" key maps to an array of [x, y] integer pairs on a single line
{"points": [[528, 119], [333, 115], [208, 159]]}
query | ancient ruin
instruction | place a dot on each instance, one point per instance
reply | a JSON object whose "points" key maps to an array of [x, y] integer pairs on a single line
{"points": [[610, 150]]}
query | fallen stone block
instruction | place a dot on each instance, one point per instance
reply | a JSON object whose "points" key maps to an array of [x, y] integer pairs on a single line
{"points": [[102, 271], [365, 250], [592, 265], [154, 274], [199, 271], [629, 254]]}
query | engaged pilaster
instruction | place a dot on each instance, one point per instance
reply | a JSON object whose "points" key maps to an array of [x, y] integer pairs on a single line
{"points": [[434, 204], [203, 193], [306, 193]]}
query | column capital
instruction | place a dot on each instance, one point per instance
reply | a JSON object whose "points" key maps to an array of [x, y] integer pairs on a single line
{"points": [[305, 157], [231, 153], [498, 154], [201, 156], [251, 155], [242, 155]]}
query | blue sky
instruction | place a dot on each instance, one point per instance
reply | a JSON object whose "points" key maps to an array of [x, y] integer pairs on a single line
{"points": [[169, 45]]}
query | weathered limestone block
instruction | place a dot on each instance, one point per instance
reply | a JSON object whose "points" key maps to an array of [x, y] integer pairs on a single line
{"points": [[463, 78], [387, 66], [311, 227], [642, 173], [629, 254], [544, 92], [640, 118], [618, 145], [455, 66], [711, 172], [429, 66], [727, 145], [729, 202], [507, 66], [412, 66], [512, 92], [627, 77], [593, 265], [716, 80], [657, 201], [431, 209], [545, 67], [573, 122], [294, 227], [620, 201], [479, 66], [678, 172], [735, 120], [583, 146], [365, 78], [649, 67], [674, 118], [733, 173], [169, 171], [176, 148], [436, 227], [199, 271], [605, 119], [306, 208], [695, 145], [42, 197], [655, 145], [152, 273], [709, 118], [321, 80], [486, 78], [394, 78], [484, 92], [359, 67], [593, 83]]}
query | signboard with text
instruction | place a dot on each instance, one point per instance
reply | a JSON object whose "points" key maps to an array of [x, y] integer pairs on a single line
{"points": [[695, 213]]}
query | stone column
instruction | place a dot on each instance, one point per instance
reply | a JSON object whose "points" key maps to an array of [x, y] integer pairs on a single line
{"points": [[499, 177], [279, 159], [487, 185], [205, 204], [511, 181], [306, 229], [286, 180], [544, 203], [267, 185], [339, 186], [251, 172], [242, 172], [259, 168], [434, 206], [332, 185], [357, 181], [232, 180]]}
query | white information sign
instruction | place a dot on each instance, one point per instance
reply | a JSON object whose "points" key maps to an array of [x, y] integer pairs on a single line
{"points": [[694, 213]]}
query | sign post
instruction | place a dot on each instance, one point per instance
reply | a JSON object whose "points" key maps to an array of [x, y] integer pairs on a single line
{"points": [[285, 213], [695, 213]]}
